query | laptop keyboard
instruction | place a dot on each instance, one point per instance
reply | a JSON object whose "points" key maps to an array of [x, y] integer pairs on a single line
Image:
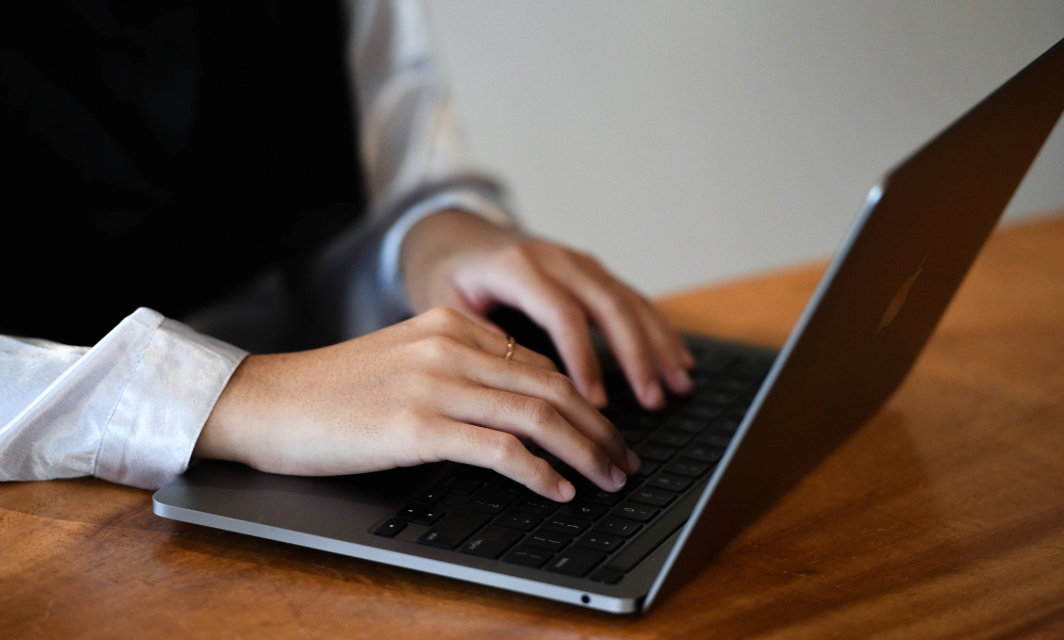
{"points": [[598, 534]]}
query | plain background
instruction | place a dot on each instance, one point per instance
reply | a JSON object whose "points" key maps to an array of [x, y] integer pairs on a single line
{"points": [[687, 142]]}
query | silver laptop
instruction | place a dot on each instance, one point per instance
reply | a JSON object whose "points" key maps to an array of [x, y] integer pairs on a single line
{"points": [[713, 462]]}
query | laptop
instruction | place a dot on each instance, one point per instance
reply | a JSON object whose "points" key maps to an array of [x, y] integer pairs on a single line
{"points": [[757, 422]]}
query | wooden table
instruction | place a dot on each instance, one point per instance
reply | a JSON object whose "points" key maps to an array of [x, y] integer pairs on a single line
{"points": [[942, 517]]}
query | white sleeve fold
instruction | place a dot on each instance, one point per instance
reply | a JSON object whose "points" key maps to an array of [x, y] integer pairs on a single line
{"points": [[129, 410]]}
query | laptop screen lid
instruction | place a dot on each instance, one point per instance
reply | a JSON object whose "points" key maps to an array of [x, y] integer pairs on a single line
{"points": [[875, 307]]}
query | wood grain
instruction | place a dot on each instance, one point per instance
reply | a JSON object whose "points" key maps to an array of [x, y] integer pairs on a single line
{"points": [[943, 517]]}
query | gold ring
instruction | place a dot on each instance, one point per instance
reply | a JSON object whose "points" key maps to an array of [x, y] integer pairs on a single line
{"points": [[511, 344]]}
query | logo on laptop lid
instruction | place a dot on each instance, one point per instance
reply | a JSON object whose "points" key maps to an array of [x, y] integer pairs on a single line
{"points": [[899, 298]]}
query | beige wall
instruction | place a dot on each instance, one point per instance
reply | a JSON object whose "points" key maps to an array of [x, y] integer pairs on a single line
{"points": [[691, 141]]}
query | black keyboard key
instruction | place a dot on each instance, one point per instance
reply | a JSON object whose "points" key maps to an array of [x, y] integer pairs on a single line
{"points": [[528, 556], [650, 451], [431, 497], [427, 516], [670, 437], [635, 511], [714, 438], [618, 526], [409, 511], [702, 411], [504, 488], [566, 524], [713, 362], [486, 504], [591, 493], [685, 467], [717, 396], [670, 481], [653, 496], [609, 576], [390, 528], [453, 529], [656, 532], [491, 542], [571, 474], [575, 562], [598, 541], [647, 467], [755, 368], [735, 385], [687, 424], [547, 540], [460, 486], [479, 474], [703, 453], [632, 435], [585, 510], [728, 424], [519, 520], [537, 505]]}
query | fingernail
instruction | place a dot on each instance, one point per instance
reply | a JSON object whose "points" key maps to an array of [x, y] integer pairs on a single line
{"points": [[633, 461], [682, 382], [566, 489], [618, 477], [653, 396]]}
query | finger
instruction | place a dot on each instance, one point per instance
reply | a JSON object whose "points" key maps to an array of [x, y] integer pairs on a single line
{"points": [[562, 394], [524, 287], [538, 420], [654, 324], [668, 351], [447, 439], [620, 325], [497, 346]]}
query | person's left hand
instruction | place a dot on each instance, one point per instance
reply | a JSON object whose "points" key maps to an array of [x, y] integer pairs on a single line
{"points": [[458, 260]]}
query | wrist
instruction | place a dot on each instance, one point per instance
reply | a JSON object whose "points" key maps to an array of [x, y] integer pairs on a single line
{"points": [[223, 434]]}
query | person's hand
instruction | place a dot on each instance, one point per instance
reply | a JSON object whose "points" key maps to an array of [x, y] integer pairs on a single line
{"points": [[433, 388], [459, 260]]}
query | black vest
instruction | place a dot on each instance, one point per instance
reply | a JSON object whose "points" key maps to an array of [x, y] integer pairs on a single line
{"points": [[162, 154]]}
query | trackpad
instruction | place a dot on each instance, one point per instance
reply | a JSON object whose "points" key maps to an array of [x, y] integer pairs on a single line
{"points": [[323, 506]]}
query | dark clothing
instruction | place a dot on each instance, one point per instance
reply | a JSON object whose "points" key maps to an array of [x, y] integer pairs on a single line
{"points": [[163, 153]]}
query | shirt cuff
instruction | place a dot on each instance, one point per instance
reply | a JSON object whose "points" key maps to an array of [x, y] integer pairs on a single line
{"points": [[472, 201], [164, 404]]}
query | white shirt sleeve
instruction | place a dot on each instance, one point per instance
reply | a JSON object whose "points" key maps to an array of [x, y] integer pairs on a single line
{"points": [[411, 146], [129, 410]]}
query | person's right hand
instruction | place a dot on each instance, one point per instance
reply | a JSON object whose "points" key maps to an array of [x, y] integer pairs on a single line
{"points": [[433, 388]]}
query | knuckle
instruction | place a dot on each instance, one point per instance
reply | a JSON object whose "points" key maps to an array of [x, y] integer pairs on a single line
{"points": [[503, 449], [561, 386], [437, 348], [520, 253], [539, 412], [444, 318]]}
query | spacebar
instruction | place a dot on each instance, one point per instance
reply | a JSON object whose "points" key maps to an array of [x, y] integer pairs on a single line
{"points": [[634, 552]]}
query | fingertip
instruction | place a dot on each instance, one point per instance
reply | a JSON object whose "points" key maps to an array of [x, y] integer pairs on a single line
{"points": [[688, 358], [653, 397], [566, 490], [681, 382]]}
